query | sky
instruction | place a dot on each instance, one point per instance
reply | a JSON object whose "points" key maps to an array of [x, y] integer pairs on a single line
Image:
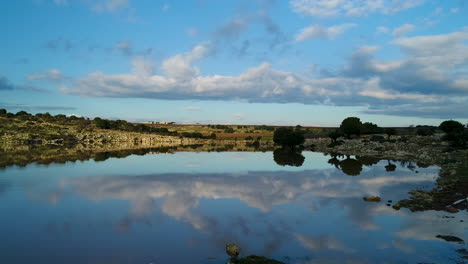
{"points": [[283, 62]]}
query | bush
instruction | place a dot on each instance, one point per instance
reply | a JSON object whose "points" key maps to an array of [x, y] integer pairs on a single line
{"points": [[287, 137], [451, 126], [370, 128], [425, 131], [334, 135], [351, 126], [390, 132]]}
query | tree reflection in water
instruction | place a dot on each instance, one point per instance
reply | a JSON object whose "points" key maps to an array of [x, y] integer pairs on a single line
{"points": [[288, 157]]}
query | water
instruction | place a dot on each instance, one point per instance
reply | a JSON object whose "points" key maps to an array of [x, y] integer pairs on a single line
{"points": [[184, 207]]}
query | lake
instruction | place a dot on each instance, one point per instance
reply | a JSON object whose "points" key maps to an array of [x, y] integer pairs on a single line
{"points": [[183, 207]]}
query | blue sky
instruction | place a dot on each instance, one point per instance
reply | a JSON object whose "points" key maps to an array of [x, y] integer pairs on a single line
{"points": [[308, 62]]}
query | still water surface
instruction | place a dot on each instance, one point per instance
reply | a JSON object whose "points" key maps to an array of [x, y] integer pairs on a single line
{"points": [[184, 207]]}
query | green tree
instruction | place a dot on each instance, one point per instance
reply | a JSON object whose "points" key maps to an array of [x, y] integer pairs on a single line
{"points": [[101, 123], [334, 135], [288, 157], [3, 112], [454, 133], [351, 126], [369, 128], [287, 137], [451, 126]]}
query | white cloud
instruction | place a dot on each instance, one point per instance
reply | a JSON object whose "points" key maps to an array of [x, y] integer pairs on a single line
{"points": [[142, 67], [125, 47], [403, 30], [166, 7], [329, 8], [454, 10], [383, 30], [192, 108], [53, 75], [430, 73], [318, 31], [110, 5], [181, 66]]}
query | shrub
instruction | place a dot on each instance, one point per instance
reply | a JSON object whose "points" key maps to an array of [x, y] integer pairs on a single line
{"points": [[287, 137], [351, 126]]}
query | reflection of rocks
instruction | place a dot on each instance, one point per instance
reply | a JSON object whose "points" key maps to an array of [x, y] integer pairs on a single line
{"points": [[449, 195], [232, 250], [428, 150], [390, 167], [372, 199], [451, 239], [288, 157], [351, 167]]}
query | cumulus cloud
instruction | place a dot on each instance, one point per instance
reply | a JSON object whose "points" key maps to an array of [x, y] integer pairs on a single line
{"points": [[318, 31], [52, 75], [327, 8], [181, 66], [431, 73], [403, 30]]}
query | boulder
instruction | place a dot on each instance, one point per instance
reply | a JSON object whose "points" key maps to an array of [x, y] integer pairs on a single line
{"points": [[372, 199]]}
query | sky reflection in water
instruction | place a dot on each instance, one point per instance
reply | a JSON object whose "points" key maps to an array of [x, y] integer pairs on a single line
{"points": [[184, 207]]}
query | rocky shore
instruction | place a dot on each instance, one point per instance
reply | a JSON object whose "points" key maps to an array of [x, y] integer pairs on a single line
{"points": [[423, 149], [451, 191]]}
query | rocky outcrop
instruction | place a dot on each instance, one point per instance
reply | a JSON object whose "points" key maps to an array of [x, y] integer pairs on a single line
{"points": [[427, 150]]}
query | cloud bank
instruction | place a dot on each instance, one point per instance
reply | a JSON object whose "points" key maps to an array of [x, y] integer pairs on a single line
{"points": [[327, 8], [431, 75]]}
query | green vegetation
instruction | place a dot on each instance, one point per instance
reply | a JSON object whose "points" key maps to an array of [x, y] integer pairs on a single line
{"points": [[288, 137], [455, 133], [351, 126], [390, 132]]}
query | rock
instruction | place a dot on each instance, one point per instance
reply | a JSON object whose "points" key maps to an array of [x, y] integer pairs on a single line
{"points": [[451, 239], [372, 199], [452, 210], [396, 206], [232, 250]]}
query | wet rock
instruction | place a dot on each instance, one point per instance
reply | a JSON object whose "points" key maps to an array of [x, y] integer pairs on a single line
{"points": [[232, 250], [451, 239], [372, 199], [452, 210]]}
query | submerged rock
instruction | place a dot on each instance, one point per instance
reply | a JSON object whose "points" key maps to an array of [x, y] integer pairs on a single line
{"points": [[232, 250], [372, 199], [451, 239]]}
